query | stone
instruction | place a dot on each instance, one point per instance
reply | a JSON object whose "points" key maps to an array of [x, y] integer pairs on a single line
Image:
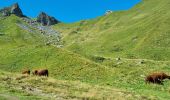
{"points": [[118, 59], [5, 12], [14, 9], [46, 20], [108, 12], [141, 62]]}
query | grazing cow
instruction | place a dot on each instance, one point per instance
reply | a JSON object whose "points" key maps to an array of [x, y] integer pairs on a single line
{"points": [[156, 78], [26, 72], [43, 72]]}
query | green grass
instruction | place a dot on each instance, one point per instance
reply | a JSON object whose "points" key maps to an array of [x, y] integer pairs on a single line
{"points": [[86, 66], [61, 64], [41, 88], [141, 32]]}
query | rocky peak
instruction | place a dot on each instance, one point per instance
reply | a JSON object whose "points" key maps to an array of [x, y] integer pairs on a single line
{"points": [[14, 9], [46, 20]]}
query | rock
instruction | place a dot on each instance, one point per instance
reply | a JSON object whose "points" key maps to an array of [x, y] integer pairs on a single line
{"points": [[5, 11], [99, 58], [46, 20], [118, 59], [59, 46], [14, 9], [119, 63], [141, 62], [108, 12], [142, 76]]}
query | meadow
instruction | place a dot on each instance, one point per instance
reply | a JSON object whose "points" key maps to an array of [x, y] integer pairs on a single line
{"points": [[88, 67]]}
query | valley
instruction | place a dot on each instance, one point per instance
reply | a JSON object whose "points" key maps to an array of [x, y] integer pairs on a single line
{"points": [[106, 58]]}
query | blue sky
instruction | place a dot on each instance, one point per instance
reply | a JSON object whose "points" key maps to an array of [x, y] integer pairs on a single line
{"points": [[70, 10]]}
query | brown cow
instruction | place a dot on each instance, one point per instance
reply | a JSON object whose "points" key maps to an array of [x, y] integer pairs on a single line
{"points": [[43, 72], [26, 72], [156, 78]]}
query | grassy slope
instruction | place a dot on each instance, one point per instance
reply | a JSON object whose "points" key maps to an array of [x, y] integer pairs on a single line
{"points": [[21, 49], [141, 32], [41, 88]]}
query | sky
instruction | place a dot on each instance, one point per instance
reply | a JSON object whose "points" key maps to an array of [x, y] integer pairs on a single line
{"points": [[70, 10]]}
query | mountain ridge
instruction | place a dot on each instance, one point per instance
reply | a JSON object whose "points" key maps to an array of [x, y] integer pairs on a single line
{"points": [[141, 32], [115, 51], [13, 9], [42, 18]]}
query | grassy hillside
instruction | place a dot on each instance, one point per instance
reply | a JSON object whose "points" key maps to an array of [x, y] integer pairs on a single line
{"points": [[141, 32], [21, 49], [12, 34], [16, 87]]}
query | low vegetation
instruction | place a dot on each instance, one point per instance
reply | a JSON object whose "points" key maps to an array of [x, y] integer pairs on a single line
{"points": [[18, 86], [139, 33], [104, 58]]}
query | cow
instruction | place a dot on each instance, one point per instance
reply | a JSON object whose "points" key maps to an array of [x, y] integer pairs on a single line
{"points": [[26, 72], [43, 72], [156, 78]]}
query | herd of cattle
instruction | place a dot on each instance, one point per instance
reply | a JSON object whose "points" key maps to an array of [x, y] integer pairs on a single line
{"points": [[42, 72], [156, 78]]}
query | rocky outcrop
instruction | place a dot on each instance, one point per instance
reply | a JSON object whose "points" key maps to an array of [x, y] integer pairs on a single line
{"points": [[5, 11], [42, 18], [46, 20], [108, 12], [14, 9]]}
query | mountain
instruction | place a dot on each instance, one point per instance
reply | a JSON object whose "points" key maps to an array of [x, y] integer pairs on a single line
{"points": [[14, 9], [103, 58], [44, 19], [141, 32], [25, 45]]}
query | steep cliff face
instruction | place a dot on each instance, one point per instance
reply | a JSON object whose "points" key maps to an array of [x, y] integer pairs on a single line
{"points": [[46, 20], [14, 9]]}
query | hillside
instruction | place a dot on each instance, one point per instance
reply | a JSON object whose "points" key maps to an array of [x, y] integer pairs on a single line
{"points": [[20, 49], [81, 56], [141, 32], [41, 88]]}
